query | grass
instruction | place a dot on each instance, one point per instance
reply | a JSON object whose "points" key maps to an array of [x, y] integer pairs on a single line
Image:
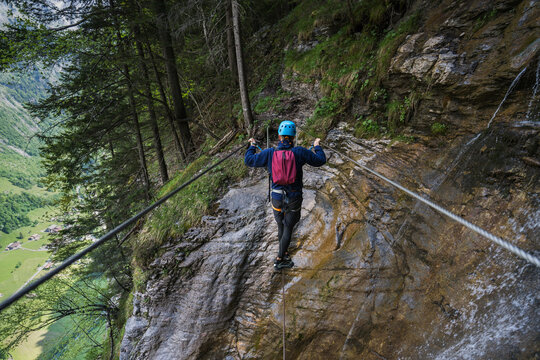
{"points": [[11, 278], [347, 64], [390, 43], [438, 128], [30, 348], [8, 187], [367, 128], [269, 103], [185, 209], [64, 340], [40, 215]]}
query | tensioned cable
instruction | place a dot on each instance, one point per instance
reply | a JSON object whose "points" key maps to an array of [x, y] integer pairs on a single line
{"points": [[499, 241], [107, 236]]}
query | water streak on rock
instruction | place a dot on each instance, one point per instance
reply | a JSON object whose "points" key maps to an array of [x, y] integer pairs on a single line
{"points": [[533, 103], [512, 85]]}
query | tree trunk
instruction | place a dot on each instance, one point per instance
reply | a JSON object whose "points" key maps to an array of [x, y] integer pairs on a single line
{"points": [[152, 113], [111, 334], [172, 75], [230, 44], [111, 148], [133, 107], [232, 60], [168, 111], [246, 107], [351, 16], [140, 145]]}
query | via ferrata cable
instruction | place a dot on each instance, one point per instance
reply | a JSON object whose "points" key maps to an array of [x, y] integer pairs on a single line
{"points": [[33, 285], [499, 241]]}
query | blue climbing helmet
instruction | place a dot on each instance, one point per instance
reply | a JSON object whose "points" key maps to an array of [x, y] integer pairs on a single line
{"points": [[287, 128]]}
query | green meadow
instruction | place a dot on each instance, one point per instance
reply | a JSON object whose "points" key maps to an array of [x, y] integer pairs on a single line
{"points": [[17, 266]]}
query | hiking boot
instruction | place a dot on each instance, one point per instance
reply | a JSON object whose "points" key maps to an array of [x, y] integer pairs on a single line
{"points": [[283, 264], [287, 257]]}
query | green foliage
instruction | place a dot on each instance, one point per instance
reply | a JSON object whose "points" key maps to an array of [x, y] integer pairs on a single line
{"points": [[323, 116], [309, 14], [403, 138], [185, 209], [345, 63], [398, 112], [438, 128], [483, 19], [16, 125], [378, 94], [326, 107], [84, 302], [391, 41], [19, 170], [14, 207], [366, 128], [269, 103]]}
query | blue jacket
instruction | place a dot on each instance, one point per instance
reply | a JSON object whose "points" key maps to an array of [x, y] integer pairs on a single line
{"points": [[302, 156]]}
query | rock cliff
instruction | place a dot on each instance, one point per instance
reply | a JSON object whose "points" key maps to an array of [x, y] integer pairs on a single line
{"points": [[378, 275]]}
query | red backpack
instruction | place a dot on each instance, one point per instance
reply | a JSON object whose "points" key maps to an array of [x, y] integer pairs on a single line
{"points": [[283, 167]]}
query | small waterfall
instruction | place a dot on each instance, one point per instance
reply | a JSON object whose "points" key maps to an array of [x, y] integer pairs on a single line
{"points": [[512, 85], [533, 97]]}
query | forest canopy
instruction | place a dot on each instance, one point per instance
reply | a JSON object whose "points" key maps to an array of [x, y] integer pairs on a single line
{"points": [[15, 207]]}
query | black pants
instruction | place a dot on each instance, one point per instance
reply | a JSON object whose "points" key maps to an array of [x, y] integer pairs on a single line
{"points": [[286, 219]]}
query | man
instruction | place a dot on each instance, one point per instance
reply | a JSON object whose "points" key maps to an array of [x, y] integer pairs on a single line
{"points": [[286, 176]]}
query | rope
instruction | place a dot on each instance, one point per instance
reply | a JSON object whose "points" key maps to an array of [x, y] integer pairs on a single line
{"points": [[283, 299], [19, 294], [499, 241]]}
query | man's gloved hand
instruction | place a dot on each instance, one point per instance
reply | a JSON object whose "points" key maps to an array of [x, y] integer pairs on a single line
{"points": [[252, 141], [316, 142]]}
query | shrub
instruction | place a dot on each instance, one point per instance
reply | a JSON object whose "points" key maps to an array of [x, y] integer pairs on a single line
{"points": [[438, 129], [366, 128], [398, 112]]}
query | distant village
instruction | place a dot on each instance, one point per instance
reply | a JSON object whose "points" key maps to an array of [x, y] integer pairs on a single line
{"points": [[53, 229]]}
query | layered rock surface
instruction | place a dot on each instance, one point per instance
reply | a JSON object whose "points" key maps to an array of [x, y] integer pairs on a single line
{"points": [[378, 275]]}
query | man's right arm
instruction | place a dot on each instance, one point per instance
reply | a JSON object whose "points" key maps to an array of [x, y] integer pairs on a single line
{"points": [[256, 160]]}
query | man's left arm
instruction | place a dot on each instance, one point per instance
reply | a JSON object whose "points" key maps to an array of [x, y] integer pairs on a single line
{"points": [[317, 158]]}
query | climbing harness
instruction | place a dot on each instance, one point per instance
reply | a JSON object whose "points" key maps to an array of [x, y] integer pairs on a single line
{"points": [[499, 241], [285, 202], [27, 289]]}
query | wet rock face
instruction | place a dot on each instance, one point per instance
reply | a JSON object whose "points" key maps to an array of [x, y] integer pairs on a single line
{"points": [[377, 275], [462, 55]]}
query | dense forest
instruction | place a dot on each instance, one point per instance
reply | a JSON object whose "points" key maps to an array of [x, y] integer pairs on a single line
{"points": [[146, 94], [143, 90], [13, 209]]}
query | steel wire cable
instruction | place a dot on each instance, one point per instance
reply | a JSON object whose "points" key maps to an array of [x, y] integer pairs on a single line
{"points": [[27, 289], [499, 241]]}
